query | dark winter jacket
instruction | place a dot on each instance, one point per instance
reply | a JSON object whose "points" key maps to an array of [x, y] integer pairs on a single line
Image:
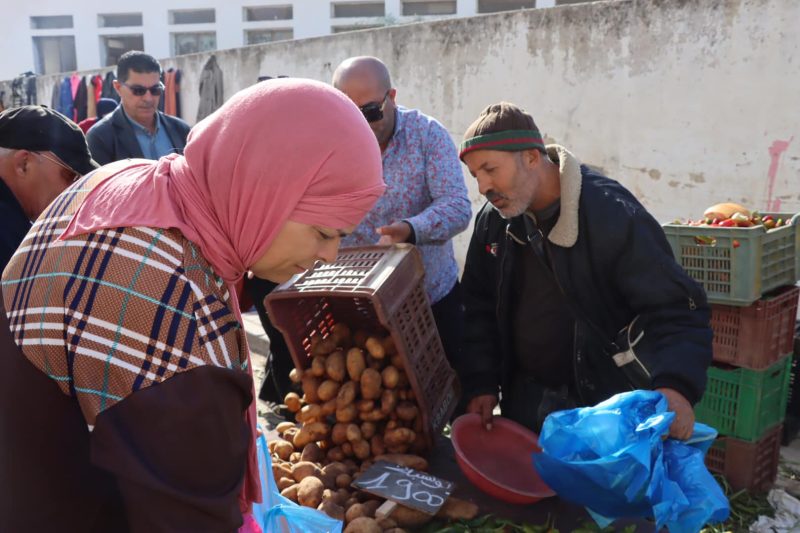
{"points": [[113, 138], [611, 258]]}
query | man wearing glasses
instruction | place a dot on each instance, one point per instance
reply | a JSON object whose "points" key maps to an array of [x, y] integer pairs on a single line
{"points": [[41, 153], [137, 129]]}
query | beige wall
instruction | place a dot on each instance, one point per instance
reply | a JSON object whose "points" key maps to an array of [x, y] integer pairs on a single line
{"points": [[686, 102]]}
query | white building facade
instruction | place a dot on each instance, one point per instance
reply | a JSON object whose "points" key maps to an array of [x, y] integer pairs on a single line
{"points": [[51, 36]]}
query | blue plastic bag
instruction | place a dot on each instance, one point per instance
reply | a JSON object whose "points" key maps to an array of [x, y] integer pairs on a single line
{"points": [[612, 459], [279, 514]]}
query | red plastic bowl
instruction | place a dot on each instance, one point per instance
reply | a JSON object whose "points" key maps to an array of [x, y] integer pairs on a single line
{"points": [[499, 462]]}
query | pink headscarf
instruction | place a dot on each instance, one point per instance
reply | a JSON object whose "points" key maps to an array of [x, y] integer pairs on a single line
{"points": [[284, 149]]}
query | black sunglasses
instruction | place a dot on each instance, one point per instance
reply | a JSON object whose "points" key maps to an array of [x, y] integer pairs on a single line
{"points": [[373, 111], [139, 90]]}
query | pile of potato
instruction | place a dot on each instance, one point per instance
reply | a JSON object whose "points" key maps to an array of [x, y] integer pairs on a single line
{"points": [[357, 407]]}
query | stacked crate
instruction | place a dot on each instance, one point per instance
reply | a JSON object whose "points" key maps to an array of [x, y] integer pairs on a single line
{"points": [[749, 275]]}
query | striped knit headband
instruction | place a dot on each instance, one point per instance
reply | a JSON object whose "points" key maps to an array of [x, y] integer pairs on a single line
{"points": [[509, 140]]}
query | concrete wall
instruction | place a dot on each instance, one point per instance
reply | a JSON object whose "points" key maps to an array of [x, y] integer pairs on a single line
{"points": [[686, 102]]}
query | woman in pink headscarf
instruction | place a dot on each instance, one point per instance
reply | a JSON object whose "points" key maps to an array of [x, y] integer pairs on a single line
{"points": [[127, 397]]}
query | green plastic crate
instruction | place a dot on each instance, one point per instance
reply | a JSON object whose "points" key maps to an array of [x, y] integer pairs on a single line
{"points": [[743, 403], [739, 275]]}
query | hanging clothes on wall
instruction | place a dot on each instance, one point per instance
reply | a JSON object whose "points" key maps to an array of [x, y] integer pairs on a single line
{"points": [[30, 89], [80, 95], [211, 96], [23, 89], [108, 90], [163, 79], [91, 103], [55, 98], [172, 92], [178, 106], [66, 108], [2, 101], [97, 88]]}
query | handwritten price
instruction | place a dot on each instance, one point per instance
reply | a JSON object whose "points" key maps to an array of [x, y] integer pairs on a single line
{"points": [[405, 489]]}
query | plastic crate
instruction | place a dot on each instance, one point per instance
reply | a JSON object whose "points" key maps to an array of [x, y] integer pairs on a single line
{"points": [[738, 274], [744, 403], [372, 288], [747, 465], [757, 335]]}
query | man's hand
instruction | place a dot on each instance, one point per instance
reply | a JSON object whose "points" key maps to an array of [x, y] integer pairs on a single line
{"points": [[683, 425], [394, 233], [483, 405]]}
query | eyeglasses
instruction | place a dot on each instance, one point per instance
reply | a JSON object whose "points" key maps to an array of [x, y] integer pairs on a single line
{"points": [[373, 111], [139, 90], [73, 174]]}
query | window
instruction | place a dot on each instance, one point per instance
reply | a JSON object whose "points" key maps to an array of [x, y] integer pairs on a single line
{"points": [[190, 43], [113, 46], [119, 20], [192, 16], [57, 22], [268, 13], [343, 29], [493, 6], [268, 36], [54, 54], [363, 9], [431, 7]]}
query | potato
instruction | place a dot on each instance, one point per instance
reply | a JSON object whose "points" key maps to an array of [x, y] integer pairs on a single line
{"points": [[353, 432], [283, 449], [347, 413], [329, 407], [303, 469], [339, 433], [375, 348], [323, 347], [375, 415], [283, 426], [310, 433], [327, 390], [340, 333], [376, 445], [290, 433], [328, 480], [407, 411], [402, 394], [271, 445], [364, 466], [388, 345], [360, 338], [367, 429], [365, 405], [347, 448], [361, 449], [335, 454], [388, 401], [390, 377], [292, 401], [370, 384], [397, 362], [309, 413], [397, 449], [310, 386], [309, 493], [335, 468], [408, 517], [343, 481], [312, 453], [295, 375], [363, 525], [350, 502], [285, 483], [347, 394], [392, 424], [411, 461], [291, 492], [335, 366], [355, 363], [355, 511], [318, 366], [324, 445], [457, 509], [351, 466], [332, 509], [386, 523]]}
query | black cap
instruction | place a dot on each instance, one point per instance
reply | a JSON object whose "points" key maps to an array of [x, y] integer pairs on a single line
{"points": [[41, 129]]}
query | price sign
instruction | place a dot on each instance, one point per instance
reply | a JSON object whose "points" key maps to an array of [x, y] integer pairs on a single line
{"points": [[405, 486]]}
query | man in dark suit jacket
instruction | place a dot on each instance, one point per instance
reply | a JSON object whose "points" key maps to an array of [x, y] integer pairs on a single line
{"points": [[137, 129]]}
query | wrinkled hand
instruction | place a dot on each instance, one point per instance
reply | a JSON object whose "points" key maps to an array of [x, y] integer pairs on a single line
{"points": [[394, 233], [483, 405], [683, 425]]}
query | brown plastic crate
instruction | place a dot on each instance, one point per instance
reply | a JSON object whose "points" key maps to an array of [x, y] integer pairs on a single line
{"points": [[747, 465], [757, 335], [372, 288]]}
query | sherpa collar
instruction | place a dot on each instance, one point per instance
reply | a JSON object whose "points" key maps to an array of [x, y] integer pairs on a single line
{"points": [[565, 230]]}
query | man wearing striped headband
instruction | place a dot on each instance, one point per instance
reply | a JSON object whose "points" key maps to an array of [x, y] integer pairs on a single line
{"points": [[564, 271]]}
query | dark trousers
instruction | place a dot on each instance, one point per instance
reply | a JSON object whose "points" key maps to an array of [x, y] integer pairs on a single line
{"points": [[448, 313]]}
